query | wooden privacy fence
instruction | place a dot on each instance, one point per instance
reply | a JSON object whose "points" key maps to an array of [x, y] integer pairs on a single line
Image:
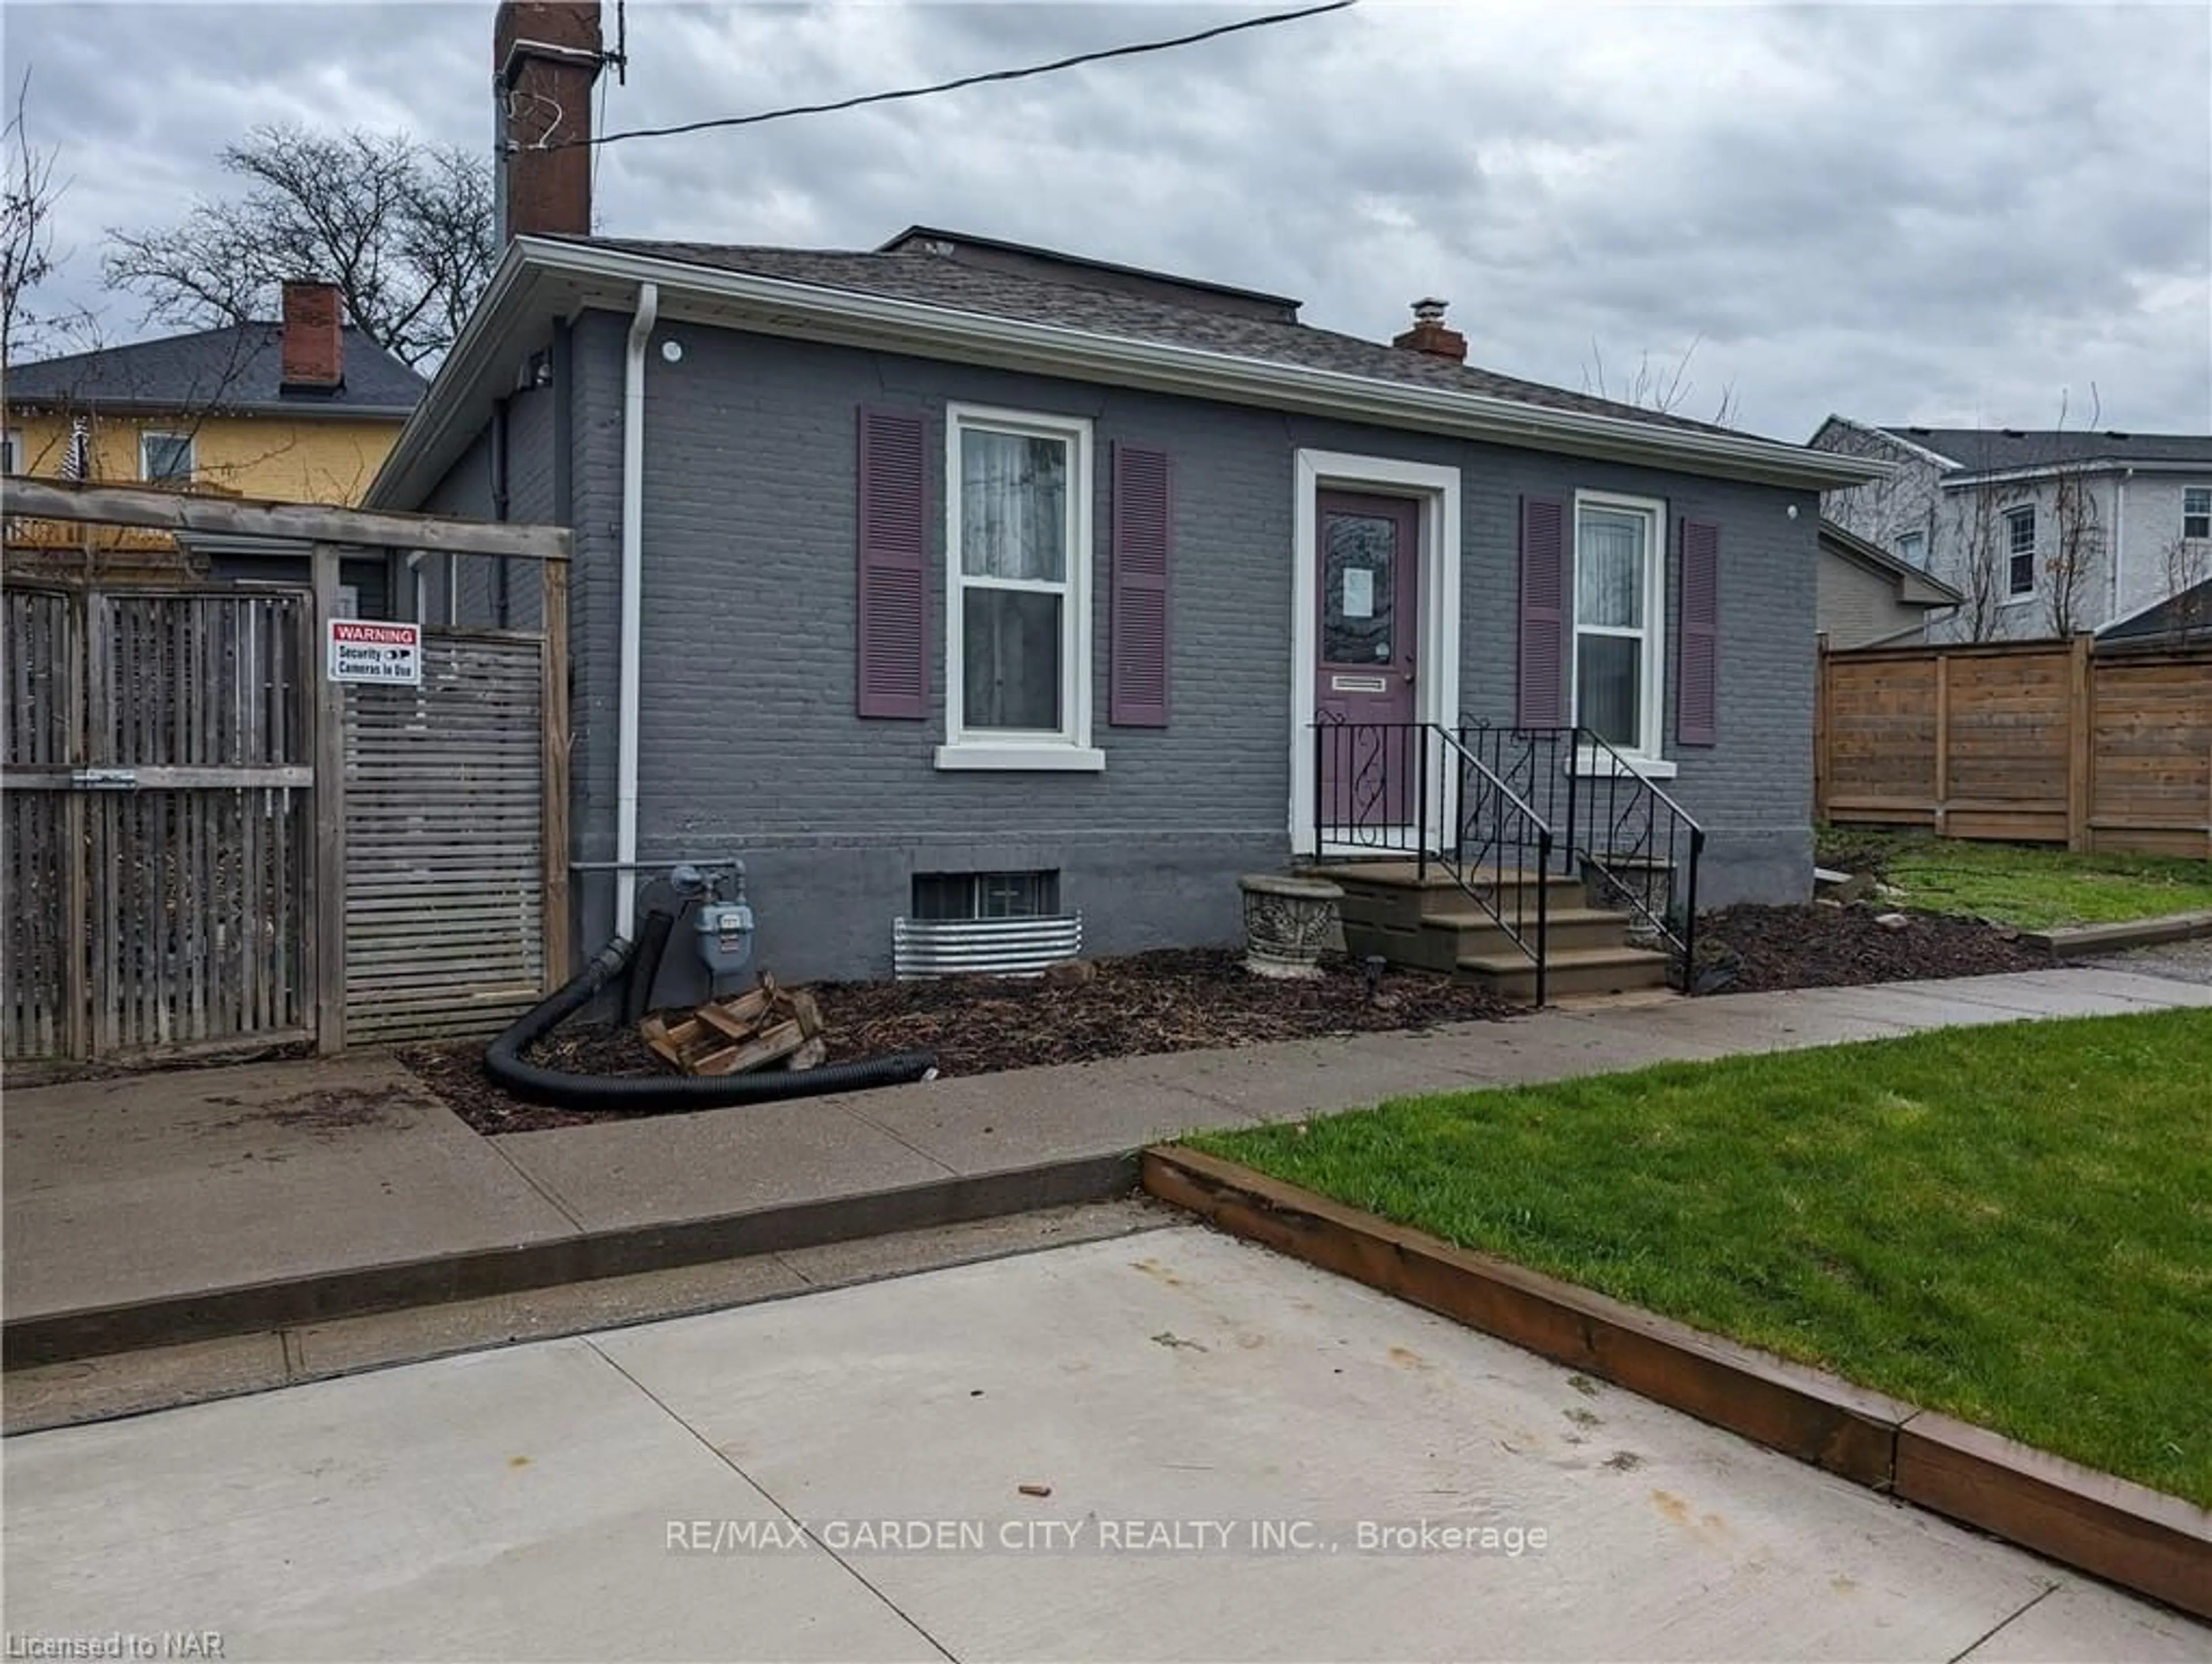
{"points": [[2052, 742], [212, 844], [155, 819], [448, 878]]}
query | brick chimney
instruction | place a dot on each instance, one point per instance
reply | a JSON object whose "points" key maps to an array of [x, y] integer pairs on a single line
{"points": [[545, 56], [1431, 334], [314, 343]]}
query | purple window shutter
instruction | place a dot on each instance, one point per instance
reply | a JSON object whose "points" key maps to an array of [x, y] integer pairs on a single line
{"points": [[893, 606], [1543, 612], [1144, 550], [1697, 698]]}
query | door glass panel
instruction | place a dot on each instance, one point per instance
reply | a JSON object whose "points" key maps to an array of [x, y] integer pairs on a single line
{"points": [[1608, 680], [1010, 639], [1358, 589]]}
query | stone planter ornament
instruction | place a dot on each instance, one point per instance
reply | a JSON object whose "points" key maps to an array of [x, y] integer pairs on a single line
{"points": [[1288, 922]]}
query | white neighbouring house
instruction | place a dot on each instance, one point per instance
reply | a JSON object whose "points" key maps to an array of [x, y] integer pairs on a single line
{"points": [[2041, 532]]}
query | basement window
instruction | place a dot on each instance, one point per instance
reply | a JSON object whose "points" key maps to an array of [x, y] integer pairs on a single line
{"points": [[952, 897]]}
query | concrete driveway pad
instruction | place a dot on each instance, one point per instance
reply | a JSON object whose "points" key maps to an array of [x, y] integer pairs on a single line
{"points": [[1175, 1391]]}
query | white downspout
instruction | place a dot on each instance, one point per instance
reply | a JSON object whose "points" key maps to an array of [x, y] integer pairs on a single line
{"points": [[633, 573]]}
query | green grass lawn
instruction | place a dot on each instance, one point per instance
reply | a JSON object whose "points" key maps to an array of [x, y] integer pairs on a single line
{"points": [[2011, 1224], [2032, 886]]}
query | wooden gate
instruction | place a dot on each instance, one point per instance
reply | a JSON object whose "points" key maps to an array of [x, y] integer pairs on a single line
{"points": [[158, 789]]}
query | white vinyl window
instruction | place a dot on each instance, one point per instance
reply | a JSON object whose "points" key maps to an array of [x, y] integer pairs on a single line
{"points": [[1620, 614], [2020, 553], [165, 456], [1018, 606], [1912, 549], [2196, 512]]}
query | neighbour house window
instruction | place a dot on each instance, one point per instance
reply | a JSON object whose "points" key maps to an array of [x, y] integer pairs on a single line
{"points": [[2020, 552], [1619, 618], [11, 451], [1019, 543], [971, 896], [2196, 512], [1912, 549], [165, 456]]}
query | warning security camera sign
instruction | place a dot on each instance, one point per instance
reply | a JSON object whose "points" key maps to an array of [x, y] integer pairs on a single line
{"points": [[365, 650]]}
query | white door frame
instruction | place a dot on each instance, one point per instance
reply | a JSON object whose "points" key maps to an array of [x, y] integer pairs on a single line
{"points": [[1436, 490]]}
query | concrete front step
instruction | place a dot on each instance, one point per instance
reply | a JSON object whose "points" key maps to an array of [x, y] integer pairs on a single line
{"points": [[1471, 933], [1575, 970]]}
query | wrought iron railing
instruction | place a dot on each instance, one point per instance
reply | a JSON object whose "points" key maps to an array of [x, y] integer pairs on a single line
{"points": [[1487, 795], [1494, 834], [1415, 790]]}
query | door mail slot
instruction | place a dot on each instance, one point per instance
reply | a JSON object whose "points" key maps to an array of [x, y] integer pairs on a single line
{"points": [[104, 779], [1359, 684]]}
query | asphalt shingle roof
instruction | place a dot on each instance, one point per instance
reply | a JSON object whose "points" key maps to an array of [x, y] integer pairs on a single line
{"points": [[1991, 450], [231, 368], [939, 280]]}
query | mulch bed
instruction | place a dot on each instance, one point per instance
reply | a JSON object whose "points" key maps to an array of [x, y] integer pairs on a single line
{"points": [[1750, 949], [1176, 1000]]}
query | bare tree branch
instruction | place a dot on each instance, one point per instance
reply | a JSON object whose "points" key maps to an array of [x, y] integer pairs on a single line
{"points": [[404, 230], [1665, 390]]}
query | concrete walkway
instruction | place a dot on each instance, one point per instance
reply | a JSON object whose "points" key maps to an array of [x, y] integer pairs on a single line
{"points": [[1241, 1454], [170, 1207]]}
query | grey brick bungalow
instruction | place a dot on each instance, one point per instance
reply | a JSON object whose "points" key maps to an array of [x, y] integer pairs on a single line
{"points": [[1186, 525]]}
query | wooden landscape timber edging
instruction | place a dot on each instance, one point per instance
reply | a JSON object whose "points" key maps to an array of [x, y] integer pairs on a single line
{"points": [[2110, 1527], [2048, 741]]}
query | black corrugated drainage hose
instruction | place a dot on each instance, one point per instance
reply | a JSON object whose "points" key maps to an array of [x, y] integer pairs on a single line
{"points": [[538, 1085], [645, 966]]}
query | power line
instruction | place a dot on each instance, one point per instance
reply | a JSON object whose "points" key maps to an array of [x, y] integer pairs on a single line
{"points": [[1130, 51]]}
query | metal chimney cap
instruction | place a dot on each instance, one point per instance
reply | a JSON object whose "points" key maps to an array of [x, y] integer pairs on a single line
{"points": [[1429, 310]]}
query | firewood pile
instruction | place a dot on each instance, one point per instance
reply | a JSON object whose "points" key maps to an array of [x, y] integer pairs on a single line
{"points": [[765, 1026]]}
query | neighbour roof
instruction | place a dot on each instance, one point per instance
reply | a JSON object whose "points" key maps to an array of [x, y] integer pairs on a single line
{"points": [[1852, 547], [908, 273], [1996, 450], [239, 366], [2186, 616]]}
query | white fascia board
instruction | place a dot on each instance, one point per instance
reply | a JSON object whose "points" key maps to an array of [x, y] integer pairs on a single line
{"points": [[2096, 465], [776, 305]]}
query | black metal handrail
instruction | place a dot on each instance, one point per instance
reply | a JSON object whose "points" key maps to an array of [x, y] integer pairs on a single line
{"points": [[1620, 831], [1500, 823], [1380, 788], [1650, 836]]}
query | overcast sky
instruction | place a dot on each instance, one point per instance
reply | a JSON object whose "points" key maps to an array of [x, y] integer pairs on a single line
{"points": [[1946, 214]]}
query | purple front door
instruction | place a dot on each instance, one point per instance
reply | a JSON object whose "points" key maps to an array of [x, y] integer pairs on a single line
{"points": [[1365, 637]]}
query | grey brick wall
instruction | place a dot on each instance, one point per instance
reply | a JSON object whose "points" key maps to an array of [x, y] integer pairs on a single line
{"points": [[752, 747]]}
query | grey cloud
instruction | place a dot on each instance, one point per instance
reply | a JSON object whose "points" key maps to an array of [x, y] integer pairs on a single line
{"points": [[1932, 212]]}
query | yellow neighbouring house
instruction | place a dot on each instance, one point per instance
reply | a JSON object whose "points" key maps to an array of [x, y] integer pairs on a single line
{"points": [[301, 411]]}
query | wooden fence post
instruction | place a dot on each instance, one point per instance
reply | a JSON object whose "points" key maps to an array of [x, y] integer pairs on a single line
{"points": [[553, 714], [2079, 751], [326, 922], [1942, 783], [1820, 726]]}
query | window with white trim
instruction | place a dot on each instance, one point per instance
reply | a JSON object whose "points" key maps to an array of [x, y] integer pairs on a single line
{"points": [[1018, 561], [2020, 552], [165, 457], [2196, 512], [1620, 613], [1912, 549]]}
